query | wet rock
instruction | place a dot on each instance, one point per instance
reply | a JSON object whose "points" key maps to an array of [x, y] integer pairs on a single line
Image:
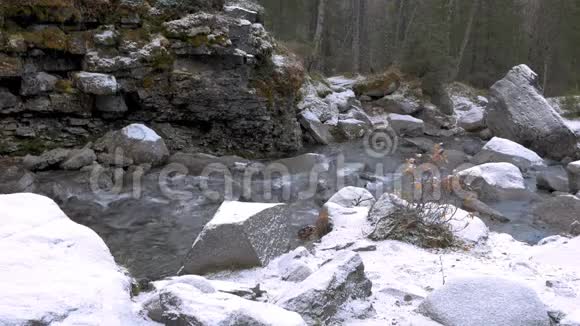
{"points": [[255, 232], [483, 301], [305, 163], [14, 179], [560, 211], [46, 160], [399, 103], [111, 104], [406, 125], [353, 197], [78, 159], [494, 181], [352, 129], [137, 142], [95, 83], [34, 84], [574, 173], [504, 150], [196, 163], [319, 297], [185, 304], [554, 178], [517, 111]]}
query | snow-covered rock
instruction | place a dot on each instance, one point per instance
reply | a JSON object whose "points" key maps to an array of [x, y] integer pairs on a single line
{"points": [[554, 178], [468, 227], [494, 181], [342, 101], [136, 142], [55, 271], [184, 304], [517, 111], [319, 297], [572, 319], [352, 129], [296, 266], [319, 131], [353, 197], [405, 125], [239, 235], [484, 301], [95, 83], [504, 150]]}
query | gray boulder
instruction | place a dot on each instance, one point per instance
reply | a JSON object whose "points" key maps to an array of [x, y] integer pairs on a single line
{"points": [[95, 83], [34, 84], [504, 150], [554, 178], [14, 179], [320, 132], [559, 211], [485, 301], [46, 160], [405, 125], [352, 129], [472, 120], [574, 174], [399, 103], [78, 159], [318, 298], [305, 163], [494, 181], [517, 111], [136, 142], [240, 235]]}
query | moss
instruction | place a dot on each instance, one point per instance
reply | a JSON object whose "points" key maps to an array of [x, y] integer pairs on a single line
{"points": [[198, 40], [32, 146], [148, 82], [272, 82], [163, 61], [65, 86]]}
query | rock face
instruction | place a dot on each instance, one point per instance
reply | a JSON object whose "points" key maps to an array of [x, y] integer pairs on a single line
{"points": [[56, 271], [517, 111], [494, 181], [239, 235], [136, 142], [484, 301], [504, 150], [319, 297], [204, 72]]}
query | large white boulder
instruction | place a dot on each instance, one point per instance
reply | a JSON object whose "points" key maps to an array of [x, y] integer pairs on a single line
{"points": [[183, 302], [494, 181], [518, 111], [320, 296], [504, 150], [54, 270], [136, 142], [485, 301], [240, 235]]}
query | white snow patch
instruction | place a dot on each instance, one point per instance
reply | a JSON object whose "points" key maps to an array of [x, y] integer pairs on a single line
{"points": [[141, 132], [237, 212], [57, 271]]}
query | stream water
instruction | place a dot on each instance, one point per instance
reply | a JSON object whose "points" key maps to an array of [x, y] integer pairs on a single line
{"points": [[152, 232]]}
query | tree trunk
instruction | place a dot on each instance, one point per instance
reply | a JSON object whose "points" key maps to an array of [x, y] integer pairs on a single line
{"points": [[356, 35], [408, 29], [316, 62], [466, 38]]}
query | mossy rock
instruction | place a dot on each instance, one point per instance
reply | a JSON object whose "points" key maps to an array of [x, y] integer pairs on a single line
{"points": [[272, 82], [58, 11], [378, 86]]}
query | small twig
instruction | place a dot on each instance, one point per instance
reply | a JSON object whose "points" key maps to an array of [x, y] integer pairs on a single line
{"points": [[442, 269]]}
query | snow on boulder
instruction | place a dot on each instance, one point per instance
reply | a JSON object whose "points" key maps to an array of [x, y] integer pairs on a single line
{"points": [[467, 227], [342, 101], [353, 197], [504, 150], [136, 142], [240, 235], [571, 320], [320, 296], [517, 111], [554, 178], [95, 83], [405, 125], [185, 304], [55, 270], [485, 301], [494, 181]]}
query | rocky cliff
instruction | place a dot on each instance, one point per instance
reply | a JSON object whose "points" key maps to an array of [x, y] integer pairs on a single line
{"points": [[198, 72]]}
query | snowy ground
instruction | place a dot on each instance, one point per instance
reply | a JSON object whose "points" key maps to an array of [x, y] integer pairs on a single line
{"points": [[402, 274]]}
